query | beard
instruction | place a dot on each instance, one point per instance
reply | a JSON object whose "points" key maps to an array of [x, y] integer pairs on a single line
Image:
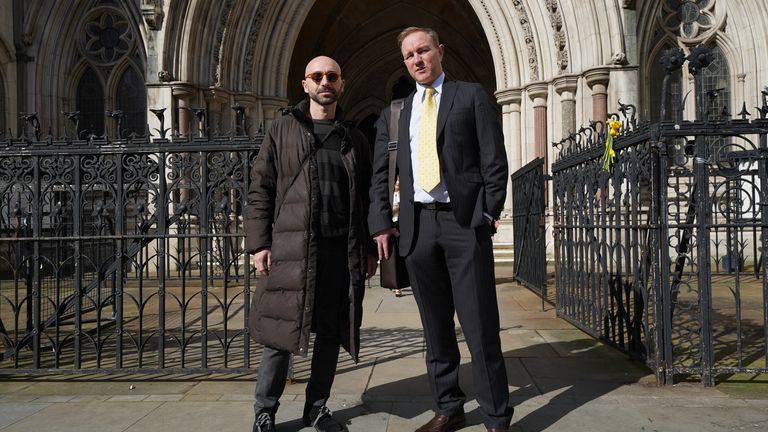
{"points": [[324, 99]]}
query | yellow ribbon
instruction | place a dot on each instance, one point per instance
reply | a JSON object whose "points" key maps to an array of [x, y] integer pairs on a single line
{"points": [[614, 128]]}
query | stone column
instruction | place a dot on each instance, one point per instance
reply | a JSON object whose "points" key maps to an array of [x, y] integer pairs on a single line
{"points": [[565, 86], [509, 99], [597, 80], [217, 105], [538, 93], [248, 102], [182, 94], [269, 108], [179, 193]]}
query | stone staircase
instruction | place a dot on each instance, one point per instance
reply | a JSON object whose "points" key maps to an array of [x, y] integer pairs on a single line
{"points": [[503, 253]]}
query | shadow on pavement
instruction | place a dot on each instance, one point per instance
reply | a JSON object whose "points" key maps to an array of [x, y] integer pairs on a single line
{"points": [[575, 373]]}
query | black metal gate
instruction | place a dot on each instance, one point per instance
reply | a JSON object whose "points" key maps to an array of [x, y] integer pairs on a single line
{"points": [[528, 200], [124, 254], [662, 255]]}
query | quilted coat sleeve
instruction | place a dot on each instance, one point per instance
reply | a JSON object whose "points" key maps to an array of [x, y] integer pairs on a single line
{"points": [[261, 196]]}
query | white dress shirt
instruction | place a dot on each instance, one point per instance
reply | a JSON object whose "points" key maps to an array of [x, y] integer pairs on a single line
{"points": [[439, 193]]}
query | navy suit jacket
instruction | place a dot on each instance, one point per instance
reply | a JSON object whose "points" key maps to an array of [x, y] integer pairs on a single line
{"points": [[473, 162]]}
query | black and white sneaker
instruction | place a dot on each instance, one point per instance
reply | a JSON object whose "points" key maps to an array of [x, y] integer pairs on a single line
{"points": [[265, 422], [322, 420]]}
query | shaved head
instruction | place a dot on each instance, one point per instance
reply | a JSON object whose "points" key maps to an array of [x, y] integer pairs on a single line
{"points": [[322, 64]]}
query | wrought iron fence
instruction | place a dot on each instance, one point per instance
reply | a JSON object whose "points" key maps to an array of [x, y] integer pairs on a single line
{"points": [[662, 255], [124, 253], [528, 200]]}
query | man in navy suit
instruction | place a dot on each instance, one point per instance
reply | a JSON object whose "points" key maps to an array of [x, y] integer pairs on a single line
{"points": [[453, 177]]}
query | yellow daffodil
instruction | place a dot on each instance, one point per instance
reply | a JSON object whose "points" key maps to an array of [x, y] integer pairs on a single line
{"points": [[614, 129]]}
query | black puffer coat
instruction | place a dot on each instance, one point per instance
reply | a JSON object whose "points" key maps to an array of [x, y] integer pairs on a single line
{"points": [[283, 214]]}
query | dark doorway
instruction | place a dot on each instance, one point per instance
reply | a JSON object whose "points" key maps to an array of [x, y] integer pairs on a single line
{"points": [[361, 36]]}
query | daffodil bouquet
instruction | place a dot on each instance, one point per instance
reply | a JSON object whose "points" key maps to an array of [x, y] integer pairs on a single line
{"points": [[614, 128]]}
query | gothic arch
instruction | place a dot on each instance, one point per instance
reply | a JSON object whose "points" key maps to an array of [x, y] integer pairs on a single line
{"points": [[59, 58], [501, 39], [282, 23], [6, 120], [190, 52]]}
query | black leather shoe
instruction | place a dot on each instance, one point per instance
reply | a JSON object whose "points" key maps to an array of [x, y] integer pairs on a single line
{"points": [[265, 422], [444, 423], [321, 419]]}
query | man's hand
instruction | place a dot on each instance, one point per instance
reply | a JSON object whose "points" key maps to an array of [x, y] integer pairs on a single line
{"points": [[382, 241], [372, 265], [494, 224], [262, 260]]}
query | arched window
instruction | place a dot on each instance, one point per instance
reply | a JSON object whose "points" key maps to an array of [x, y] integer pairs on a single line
{"points": [[112, 80], [717, 86], [674, 91], [131, 99], [90, 103]]}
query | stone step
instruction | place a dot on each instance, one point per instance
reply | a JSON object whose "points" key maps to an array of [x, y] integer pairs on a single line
{"points": [[503, 252]]}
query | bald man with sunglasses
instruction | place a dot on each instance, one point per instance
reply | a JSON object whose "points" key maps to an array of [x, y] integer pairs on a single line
{"points": [[306, 230]]}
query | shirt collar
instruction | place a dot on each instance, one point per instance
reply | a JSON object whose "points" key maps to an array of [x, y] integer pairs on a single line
{"points": [[437, 85]]}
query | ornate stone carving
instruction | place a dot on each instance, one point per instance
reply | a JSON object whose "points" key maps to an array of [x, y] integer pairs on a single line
{"points": [[499, 45], [618, 58], [27, 39], [221, 30], [153, 14], [164, 76], [691, 21], [250, 47], [525, 25], [556, 19], [107, 37]]}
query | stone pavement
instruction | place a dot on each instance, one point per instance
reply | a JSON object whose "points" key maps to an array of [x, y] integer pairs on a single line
{"points": [[559, 379]]}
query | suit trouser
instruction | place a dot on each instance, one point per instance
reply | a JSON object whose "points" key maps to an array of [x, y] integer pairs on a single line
{"points": [[451, 269], [330, 310]]}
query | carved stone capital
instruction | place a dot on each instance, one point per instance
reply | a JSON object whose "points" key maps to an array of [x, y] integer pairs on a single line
{"points": [[246, 100], [182, 90], [597, 77], [216, 95], [566, 84], [538, 92], [509, 96], [153, 14]]}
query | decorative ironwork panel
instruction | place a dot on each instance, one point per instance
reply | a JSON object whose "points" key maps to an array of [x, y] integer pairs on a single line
{"points": [[603, 239], [528, 195], [124, 254], [661, 252]]}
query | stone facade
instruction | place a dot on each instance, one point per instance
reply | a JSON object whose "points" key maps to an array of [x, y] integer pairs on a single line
{"points": [[552, 65]]}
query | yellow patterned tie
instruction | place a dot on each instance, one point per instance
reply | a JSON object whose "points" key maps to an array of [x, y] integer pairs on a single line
{"points": [[429, 165]]}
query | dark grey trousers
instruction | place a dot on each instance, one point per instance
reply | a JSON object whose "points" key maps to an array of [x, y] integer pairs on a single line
{"points": [[330, 310], [451, 271]]}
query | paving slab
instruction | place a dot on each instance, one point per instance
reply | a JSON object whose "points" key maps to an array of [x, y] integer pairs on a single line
{"points": [[12, 412], [196, 416], [559, 379], [83, 417]]}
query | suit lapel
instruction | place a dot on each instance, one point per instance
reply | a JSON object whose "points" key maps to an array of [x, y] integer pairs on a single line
{"points": [[404, 141], [404, 149], [446, 102]]}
